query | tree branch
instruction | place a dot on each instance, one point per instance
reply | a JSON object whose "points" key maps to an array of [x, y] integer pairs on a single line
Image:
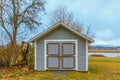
{"points": [[3, 25], [6, 29], [32, 4]]}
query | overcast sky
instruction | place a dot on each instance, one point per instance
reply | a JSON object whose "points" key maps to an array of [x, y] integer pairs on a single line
{"points": [[102, 15]]}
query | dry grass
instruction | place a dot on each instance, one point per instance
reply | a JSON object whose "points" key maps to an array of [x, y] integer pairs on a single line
{"points": [[100, 68]]}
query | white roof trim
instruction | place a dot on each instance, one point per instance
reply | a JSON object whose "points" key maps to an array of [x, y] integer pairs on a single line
{"points": [[56, 26]]}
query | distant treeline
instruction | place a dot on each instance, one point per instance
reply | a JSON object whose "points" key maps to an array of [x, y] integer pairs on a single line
{"points": [[104, 47]]}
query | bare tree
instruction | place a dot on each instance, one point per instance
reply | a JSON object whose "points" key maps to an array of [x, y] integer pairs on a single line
{"points": [[61, 14], [88, 32], [17, 13]]}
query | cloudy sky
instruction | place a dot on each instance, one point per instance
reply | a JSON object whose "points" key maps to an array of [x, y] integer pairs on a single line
{"points": [[102, 15]]}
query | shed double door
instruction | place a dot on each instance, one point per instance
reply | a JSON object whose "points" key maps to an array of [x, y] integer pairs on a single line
{"points": [[61, 55]]}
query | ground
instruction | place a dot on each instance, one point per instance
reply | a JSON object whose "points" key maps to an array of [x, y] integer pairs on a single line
{"points": [[100, 68]]}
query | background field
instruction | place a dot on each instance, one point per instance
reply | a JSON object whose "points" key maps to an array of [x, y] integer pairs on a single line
{"points": [[100, 68]]}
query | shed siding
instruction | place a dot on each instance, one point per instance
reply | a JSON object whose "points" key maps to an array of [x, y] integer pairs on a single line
{"points": [[61, 33]]}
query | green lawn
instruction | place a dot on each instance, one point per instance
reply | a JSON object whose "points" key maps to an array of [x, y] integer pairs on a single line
{"points": [[100, 68]]}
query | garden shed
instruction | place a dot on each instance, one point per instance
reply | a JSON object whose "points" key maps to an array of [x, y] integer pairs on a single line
{"points": [[61, 48]]}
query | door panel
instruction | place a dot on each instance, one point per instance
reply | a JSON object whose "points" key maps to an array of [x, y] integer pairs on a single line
{"points": [[53, 49], [68, 53], [68, 49], [53, 62], [68, 62]]}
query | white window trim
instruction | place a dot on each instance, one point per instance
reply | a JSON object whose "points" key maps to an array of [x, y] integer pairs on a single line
{"points": [[60, 40], [86, 55]]}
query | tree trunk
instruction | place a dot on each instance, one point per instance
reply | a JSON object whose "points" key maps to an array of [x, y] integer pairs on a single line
{"points": [[14, 55], [24, 53]]}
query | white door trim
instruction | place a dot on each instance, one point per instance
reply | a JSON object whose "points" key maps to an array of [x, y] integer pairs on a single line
{"points": [[61, 40]]}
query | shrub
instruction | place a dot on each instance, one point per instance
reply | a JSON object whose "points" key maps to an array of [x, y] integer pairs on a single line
{"points": [[97, 55]]}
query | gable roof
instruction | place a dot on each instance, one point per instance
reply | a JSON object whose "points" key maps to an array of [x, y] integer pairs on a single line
{"points": [[56, 26]]}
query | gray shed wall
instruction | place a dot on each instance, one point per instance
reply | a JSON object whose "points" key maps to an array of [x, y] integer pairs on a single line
{"points": [[61, 33]]}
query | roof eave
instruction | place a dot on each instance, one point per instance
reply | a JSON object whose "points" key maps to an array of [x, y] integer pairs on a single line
{"points": [[43, 33]]}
